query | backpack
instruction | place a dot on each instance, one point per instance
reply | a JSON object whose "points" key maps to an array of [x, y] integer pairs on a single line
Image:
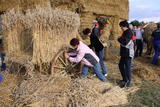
{"points": [[134, 37]]}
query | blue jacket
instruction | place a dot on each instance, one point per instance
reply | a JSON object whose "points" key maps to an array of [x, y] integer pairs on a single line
{"points": [[156, 35]]}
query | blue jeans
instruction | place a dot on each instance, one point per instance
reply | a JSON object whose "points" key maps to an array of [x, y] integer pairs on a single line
{"points": [[96, 69], [125, 68], [1, 77], [157, 52], [100, 54]]}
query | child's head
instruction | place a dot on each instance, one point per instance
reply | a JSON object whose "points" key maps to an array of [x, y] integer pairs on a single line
{"points": [[158, 25], [74, 42], [87, 31], [124, 25]]}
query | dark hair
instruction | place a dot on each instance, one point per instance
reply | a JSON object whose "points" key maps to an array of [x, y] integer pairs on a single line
{"points": [[124, 24], [74, 42], [86, 31], [158, 25]]}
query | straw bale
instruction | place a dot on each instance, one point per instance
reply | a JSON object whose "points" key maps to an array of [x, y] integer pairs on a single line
{"points": [[107, 7], [58, 27], [21, 4], [103, 7], [39, 33], [116, 10]]}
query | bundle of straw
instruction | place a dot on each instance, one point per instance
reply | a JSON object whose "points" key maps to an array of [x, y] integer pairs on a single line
{"points": [[39, 33]]}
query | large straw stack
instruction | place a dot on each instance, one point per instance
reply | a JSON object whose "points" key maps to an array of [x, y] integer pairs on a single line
{"points": [[149, 29], [51, 31], [38, 33], [12, 27], [147, 36]]}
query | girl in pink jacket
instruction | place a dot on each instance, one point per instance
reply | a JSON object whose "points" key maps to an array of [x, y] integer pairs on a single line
{"points": [[87, 56]]}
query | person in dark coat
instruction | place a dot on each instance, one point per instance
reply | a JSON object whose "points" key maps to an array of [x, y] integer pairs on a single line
{"points": [[126, 53], [156, 42], [97, 45]]}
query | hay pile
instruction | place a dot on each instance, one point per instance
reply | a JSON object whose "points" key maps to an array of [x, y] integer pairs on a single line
{"points": [[62, 91], [38, 33], [39, 91], [143, 73], [9, 82], [94, 93]]}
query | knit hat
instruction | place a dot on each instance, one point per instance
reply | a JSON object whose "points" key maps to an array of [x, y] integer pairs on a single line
{"points": [[95, 22]]}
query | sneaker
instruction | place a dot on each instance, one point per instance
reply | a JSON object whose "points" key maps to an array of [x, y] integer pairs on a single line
{"points": [[127, 84], [105, 75], [105, 80], [94, 75]]}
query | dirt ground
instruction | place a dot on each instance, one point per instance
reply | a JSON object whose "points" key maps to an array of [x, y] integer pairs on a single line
{"points": [[89, 92]]}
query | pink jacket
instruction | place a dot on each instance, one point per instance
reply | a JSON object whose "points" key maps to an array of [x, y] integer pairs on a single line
{"points": [[84, 54]]}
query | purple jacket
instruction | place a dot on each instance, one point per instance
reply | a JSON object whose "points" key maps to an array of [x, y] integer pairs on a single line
{"points": [[84, 54]]}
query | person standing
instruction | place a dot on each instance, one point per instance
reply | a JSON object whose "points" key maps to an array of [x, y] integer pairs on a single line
{"points": [[139, 41], [126, 53], [98, 46], [156, 42], [87, 56]]}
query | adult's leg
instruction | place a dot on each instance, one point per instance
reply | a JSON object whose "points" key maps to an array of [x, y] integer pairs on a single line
{"points": [[138, 47], [128, 69], [141, 48], [84, 71], [122, 68], [127, 72], [1, 77], [156, 55], [98, 73], [100, 54]]}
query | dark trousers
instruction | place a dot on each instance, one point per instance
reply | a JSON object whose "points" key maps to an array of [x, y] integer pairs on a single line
{"points": [[125, 68], [156, 52], [139, 44]]}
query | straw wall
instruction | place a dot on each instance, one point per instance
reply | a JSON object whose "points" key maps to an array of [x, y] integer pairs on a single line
{"points": [[12, 28], [38, 33], [114, 11], [51, 31], [147, 36], [88, 10], [21, 4]]}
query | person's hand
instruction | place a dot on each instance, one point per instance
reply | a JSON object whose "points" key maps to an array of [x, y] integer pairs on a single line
{"points": [[66, 55]]}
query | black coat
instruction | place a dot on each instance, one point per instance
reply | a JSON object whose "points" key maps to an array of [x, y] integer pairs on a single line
{"points": [[95, 42], [124, 40]]}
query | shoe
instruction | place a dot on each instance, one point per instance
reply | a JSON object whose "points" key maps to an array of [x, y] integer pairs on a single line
{"points": [[122, 84], [105, 80], [121, 81], [105, 75], [127, 84], [94, 75]]}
